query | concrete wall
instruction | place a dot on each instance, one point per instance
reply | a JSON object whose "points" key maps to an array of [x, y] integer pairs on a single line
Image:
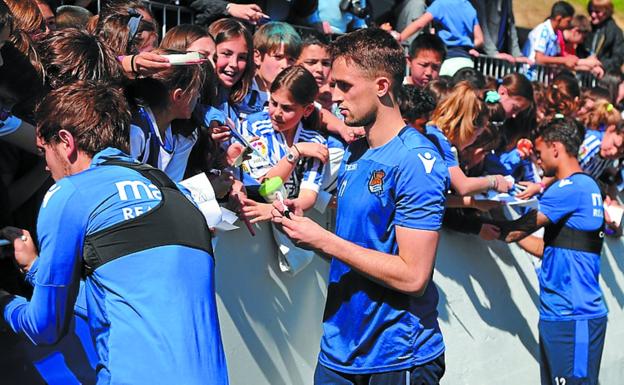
{"points": [[488, 311]]}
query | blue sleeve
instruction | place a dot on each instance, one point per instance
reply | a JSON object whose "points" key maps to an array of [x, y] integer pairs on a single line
{"points": [[510, 160], [10, 125], [420, 191], [61, 228], [559, 200], [213, 113], [314, 18], [435, 9]]}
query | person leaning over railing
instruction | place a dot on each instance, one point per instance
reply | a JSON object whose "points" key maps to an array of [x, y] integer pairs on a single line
{"points": [[543, 46]]}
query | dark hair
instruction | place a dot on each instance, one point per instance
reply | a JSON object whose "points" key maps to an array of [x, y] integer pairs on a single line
{"points": [[611, 81], [22, 81], [427, 42], [562, 96], [375, 52], [567, 131], [313, 37], [27, 17], [518, 85], [154, 90], [226, 29], [415, 102], [6, 18], [72, 16], [303, 89], [440, 88], [561, 8], [595, 93], [181, 36], [95, 113], [471, 75], [71, 54], [114, 29], [493, 113]]}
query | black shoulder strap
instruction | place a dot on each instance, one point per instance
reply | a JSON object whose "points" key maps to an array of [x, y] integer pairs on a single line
{"points": [[174, 221], [562, 236]]}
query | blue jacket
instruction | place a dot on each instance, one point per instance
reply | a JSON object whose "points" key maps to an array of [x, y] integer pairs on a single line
{"points": [[152, 313]]}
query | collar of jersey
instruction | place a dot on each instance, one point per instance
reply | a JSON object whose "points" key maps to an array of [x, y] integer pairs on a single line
{"points": [[108, 154]]}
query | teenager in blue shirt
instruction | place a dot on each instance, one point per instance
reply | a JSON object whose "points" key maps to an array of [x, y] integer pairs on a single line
{"points": [[459, 30], [380, 323], [91, 223], [573, 315]]}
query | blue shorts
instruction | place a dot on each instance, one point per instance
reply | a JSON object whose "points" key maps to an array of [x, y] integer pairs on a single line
{"points": [[426, 374], [570, 351]]}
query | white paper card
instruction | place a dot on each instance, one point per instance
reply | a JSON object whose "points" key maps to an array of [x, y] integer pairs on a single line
{"points": [[204, 196]]}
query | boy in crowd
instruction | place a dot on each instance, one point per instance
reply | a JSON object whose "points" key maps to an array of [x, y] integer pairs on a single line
{"points": [[543, 46], [426, 54], [573, 315], [276, 46], [571, 42], [416, 105]]}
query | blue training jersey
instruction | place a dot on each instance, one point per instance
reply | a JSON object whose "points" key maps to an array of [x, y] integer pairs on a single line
{"points": [[568, 278], [152, 313], [444, 146], [369, 327]]}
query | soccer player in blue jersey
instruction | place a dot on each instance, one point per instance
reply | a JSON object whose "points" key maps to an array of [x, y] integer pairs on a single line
{"points": [[380, 323], [573, 315], [149, 279]]}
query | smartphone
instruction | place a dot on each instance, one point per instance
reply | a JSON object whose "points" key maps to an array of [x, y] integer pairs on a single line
{"points": [[246, 143]]}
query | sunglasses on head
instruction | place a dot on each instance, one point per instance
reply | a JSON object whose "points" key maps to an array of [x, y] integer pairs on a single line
{"points": [[133, 26]]}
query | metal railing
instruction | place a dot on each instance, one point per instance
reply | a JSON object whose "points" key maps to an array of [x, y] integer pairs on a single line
{"points": [[499, 68], [167, 14]]}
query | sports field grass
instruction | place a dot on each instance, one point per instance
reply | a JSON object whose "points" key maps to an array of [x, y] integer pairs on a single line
{"points": [[529, 13]]}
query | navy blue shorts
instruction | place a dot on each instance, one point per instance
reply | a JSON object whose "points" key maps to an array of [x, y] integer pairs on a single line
{"points": [[426, 374], [570, 351]]}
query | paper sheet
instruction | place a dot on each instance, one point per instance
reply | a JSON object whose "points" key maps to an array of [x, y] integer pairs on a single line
{"points": [[204, 196]]}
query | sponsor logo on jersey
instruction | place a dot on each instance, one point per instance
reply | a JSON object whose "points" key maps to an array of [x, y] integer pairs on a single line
{"points": [[376, 182], [428, 161]]}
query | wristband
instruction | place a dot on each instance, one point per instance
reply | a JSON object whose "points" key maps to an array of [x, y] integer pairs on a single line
{"points": [[298, 152], [132, 65], [542, 187], [492, 180]]}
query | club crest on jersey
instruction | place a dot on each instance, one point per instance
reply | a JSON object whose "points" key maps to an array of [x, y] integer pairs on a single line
{"points": [[376, 182]]}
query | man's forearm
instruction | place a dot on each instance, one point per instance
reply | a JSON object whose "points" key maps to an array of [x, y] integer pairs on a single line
{"points": [[386, 269], [533, 245]]}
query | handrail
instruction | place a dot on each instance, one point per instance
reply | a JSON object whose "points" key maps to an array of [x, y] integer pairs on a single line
{"points": [[498, 68]]}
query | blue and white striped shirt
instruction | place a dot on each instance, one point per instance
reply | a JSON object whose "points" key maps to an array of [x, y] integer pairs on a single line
{"points": [[272, 145], [589, 154]]}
